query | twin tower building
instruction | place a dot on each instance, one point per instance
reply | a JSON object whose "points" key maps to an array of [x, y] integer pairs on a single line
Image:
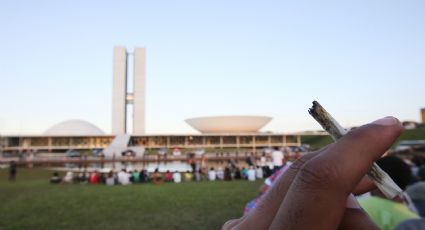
{"points": [[122, 96]]}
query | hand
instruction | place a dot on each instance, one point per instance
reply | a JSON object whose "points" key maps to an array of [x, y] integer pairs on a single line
{"points": [[316, 191]]}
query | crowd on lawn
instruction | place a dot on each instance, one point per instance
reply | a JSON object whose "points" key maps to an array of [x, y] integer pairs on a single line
{"points": [[257, 168], [126, 177], [409, 175]]}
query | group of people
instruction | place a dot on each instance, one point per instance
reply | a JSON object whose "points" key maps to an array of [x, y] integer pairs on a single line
{"points": [[122, 177], [126, 177], [257, 168], [251, 173]]}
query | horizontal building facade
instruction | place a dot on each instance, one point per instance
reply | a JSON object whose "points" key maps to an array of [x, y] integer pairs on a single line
{"points": [[210, 141]]}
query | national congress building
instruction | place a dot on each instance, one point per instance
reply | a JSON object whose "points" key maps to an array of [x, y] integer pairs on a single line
{"points": [[226, 132]]}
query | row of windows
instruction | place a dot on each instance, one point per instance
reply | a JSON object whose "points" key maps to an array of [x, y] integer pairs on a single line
{"points": [[101, 142], [211, 140]]}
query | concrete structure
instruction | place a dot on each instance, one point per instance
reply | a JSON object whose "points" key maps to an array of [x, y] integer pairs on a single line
{"points": [[74, 128], [121, 97], [139, 91], [186, 142], [225, 133], [119, 91], [229, 124], [423, 115]]}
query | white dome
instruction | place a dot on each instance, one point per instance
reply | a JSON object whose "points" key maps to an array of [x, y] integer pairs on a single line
{"points": [[74, 128], [228, 124]]}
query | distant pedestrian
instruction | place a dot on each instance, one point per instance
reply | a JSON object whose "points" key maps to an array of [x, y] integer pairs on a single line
{"points": [[259, 174], [248, 160], [12, 171], [238, 174], [227, 174], [251, 173], [278, 158], [198, 175]]}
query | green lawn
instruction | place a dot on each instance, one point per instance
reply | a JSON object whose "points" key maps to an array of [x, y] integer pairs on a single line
{"points": [[32, 203], [317, 142]]}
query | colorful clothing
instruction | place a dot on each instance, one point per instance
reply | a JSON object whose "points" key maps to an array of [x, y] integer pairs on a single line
{"points": [[385, 213], [268, 182]]}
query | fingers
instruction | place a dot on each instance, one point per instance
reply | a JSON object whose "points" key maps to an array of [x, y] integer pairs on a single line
{"points": [[365, 185], [262, 216], [317, 196], [356, 219], [230, 224]]}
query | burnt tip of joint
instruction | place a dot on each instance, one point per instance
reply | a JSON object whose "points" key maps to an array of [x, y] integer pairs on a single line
{"points": [[312, 110]]}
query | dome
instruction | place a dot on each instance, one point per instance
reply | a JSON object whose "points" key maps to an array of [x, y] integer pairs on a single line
{"points": [[229, 124], [74, 128]]}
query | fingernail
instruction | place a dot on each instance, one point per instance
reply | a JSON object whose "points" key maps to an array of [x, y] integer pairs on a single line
{"points": [[386, 121]]}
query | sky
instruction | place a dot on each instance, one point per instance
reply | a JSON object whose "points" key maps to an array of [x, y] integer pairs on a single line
{"points": [[361, 59]]}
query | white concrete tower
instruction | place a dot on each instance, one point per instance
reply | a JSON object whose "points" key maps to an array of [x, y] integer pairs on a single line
{"points": [[120, 96], [119, 91], [139, 91]]}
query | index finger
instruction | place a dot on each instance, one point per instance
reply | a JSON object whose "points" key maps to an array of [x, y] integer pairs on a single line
{"points": [[317, 197]]}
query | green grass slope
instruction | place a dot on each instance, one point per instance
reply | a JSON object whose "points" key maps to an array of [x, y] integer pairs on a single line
{"points": [[321, 141]]}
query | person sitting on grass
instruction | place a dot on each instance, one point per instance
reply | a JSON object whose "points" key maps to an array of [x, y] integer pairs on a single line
{"points": [[130, 176], [220, 174], [144, 177], [238, 174], [177, 177], [168, 176], [386, 213], [259, 173], [94, 178], [69, 178], [135, 176], [198, 175], [227, 174], [417, 193], [244, 173], [211, 174], [251, 173], [157, 177], [110, 179], [124, 177], [188, 176], [55, 179]]}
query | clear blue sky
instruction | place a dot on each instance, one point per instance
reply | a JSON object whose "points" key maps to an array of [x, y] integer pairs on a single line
{"points": [[361, 59]]}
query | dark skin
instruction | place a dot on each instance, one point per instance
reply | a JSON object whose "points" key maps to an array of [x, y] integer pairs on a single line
{"points": [[317, 190]]}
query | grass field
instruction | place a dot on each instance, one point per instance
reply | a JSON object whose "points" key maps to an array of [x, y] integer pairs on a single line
{"points": [[32, 203]]}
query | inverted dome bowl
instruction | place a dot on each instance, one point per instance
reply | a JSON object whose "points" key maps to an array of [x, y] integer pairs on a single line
{"points": [[228, 124]]}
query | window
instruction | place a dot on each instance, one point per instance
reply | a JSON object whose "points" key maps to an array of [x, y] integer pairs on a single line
{"points": [[229, 140]]}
